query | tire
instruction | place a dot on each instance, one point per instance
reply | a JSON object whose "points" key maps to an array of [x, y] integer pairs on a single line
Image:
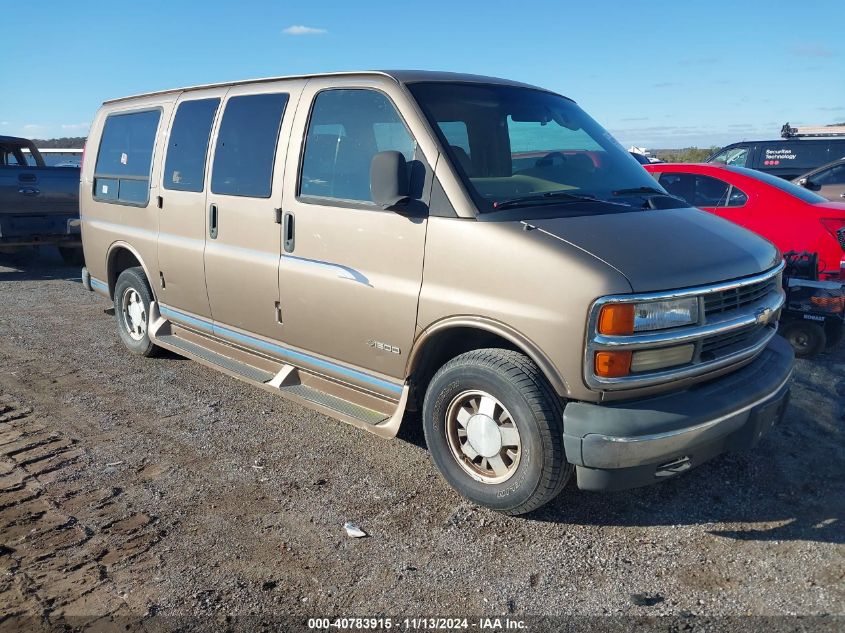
{"points": [[132, 298], [72, 255], [807, 339], [519, 477]]}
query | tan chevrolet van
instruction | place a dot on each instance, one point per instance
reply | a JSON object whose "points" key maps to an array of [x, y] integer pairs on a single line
{"points": [[480, 250]]}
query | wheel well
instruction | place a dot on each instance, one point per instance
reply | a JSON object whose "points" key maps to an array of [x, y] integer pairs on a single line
{"points": [[443, 347], [119, 260]]}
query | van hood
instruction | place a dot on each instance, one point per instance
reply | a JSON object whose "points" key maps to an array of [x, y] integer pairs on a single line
{"points": [[666, 249]]}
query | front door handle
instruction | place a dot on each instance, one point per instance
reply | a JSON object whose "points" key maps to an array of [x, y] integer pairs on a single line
{"points": [[28, 191], [289, 233], [212, 221]]}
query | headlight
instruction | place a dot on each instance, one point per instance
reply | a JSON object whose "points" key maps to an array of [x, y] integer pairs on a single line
{"points": [[627, 318]]}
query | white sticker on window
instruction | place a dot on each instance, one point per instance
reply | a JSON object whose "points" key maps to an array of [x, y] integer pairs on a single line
{"points": [[124, 158], [105, 189]]}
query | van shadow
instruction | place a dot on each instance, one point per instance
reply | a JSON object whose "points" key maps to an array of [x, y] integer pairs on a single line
{"points": [[791, 487], [36, 263]]}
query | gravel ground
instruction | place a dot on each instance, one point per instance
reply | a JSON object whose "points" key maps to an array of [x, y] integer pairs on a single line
{"points": [[140, 487]]}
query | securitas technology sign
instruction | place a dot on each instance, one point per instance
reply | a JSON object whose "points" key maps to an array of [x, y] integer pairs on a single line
{"points": [[775, 156]]}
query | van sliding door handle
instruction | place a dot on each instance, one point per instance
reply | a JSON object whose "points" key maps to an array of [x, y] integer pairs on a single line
{"points": [[289, 234], [212, 221]]}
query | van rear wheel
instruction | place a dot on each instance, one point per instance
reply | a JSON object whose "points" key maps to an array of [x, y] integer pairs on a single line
{"points": [[132, 298], [493, 425]]}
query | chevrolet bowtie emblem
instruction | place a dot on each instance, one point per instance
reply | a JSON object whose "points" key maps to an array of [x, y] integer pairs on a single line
{"points": [[763, 315]]}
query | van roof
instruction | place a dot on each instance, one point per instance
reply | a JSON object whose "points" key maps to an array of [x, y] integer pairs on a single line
{"points": [[399, 76], [791, 139]]}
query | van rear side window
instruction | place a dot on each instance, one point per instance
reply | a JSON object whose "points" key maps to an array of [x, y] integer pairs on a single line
{"points": [[122, 172], [187, 148], [246, 145]]}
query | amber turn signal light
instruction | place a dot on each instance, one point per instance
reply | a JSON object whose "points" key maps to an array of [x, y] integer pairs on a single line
{"points": [[617, 318], [612, 364]]}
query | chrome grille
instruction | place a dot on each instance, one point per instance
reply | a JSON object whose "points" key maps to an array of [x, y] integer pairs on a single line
{"points": [[714, 346], [840, 235], [735, 298]]}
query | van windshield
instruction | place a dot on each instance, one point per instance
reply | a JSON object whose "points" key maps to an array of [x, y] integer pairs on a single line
{"points": [[518, 146]]}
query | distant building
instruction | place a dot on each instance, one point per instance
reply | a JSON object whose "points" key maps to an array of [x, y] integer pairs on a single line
{"points": [[639, 150]]}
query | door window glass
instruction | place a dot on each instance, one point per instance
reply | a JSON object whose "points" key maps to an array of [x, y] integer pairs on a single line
{"points": [[737, 156], [833, 176], [246, 145], [680, 185], [710, 192], [187, 148], [701, 191], [347, 128], [122, 172]]}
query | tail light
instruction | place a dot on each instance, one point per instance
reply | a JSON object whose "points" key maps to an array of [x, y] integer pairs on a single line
{"points": [[828, 303]]}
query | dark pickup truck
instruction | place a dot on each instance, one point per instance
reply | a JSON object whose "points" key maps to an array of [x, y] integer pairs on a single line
{"points": [[38, 204]]}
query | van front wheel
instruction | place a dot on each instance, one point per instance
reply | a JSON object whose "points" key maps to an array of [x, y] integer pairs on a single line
{"points": [[132, 298], [493, 426]]}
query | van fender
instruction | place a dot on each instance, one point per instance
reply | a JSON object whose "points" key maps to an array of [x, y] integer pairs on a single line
{"points": [[120, 244], [522, 343]]}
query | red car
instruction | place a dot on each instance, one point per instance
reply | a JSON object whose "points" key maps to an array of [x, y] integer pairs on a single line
{"points": [[792, 217]]}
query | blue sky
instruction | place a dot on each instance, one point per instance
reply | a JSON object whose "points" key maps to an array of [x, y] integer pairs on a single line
{"points": [[655, 73]]}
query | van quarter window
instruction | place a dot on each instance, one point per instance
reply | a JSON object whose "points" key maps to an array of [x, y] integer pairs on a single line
{"points": [[246, 145], [122, 172], [347, 128], [187, 148]]}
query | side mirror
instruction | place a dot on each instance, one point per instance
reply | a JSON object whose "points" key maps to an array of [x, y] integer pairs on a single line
{"points": [[389, 179]]}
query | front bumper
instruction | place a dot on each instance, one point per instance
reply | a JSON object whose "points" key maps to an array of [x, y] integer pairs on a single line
{"points": [[640, 442]]}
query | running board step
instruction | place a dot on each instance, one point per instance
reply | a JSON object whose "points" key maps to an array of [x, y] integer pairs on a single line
{"points": [[339, 405], [241, 369]]}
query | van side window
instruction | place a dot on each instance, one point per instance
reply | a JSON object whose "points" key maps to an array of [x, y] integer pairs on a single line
{"points": [[246, 145], [347, 128], [187, 147], [122, 172]]}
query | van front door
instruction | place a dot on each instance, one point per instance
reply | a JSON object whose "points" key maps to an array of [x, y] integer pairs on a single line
{"points": [[351, 271], [182, 204], [243, 239]]}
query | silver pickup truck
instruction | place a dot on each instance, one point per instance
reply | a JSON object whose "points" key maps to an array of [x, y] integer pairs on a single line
{"points": [[38, 204]]}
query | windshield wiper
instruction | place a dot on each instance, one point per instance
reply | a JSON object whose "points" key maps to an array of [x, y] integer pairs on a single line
{"points": [[548, 197], [636, 190]]}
